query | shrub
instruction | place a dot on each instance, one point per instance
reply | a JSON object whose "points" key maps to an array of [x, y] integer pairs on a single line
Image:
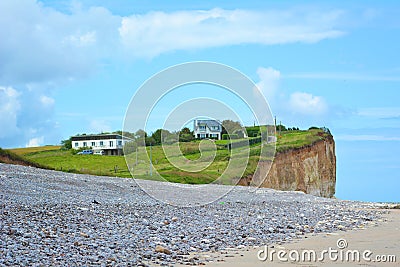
{"points": [[234, 136], [186, 137], [246, 142], [225, 136]]}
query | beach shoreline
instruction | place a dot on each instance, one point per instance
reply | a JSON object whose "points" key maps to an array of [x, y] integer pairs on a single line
{"points": [[380, 241], [75, 220]]}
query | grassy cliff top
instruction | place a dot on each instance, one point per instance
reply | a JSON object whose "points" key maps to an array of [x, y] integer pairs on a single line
{"points": [[296, 139]]}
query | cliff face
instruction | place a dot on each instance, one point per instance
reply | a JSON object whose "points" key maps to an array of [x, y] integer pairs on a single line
{"points": [[311, 169]]}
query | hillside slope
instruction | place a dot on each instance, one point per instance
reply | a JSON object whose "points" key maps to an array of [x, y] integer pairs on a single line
{"points": [[12, 158], [310, 169]]}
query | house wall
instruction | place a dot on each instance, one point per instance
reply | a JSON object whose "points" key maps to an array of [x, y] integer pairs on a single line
{"points": [[207, 132], [97, 144]]}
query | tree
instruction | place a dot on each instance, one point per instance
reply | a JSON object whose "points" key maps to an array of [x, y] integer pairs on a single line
{"points": [[157, 136], [160, 136], [229, 126], [140, 134], [185, 130], [130, 147], [150, 141], [128, 134], [281, 127], [67, 143], [240, 133], [185, 135]]}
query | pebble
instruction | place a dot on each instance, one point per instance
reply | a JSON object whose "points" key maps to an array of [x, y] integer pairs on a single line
{"points": [[162, 249], [59, 215]]}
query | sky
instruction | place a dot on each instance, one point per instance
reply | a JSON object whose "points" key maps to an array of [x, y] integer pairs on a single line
{"points": [[69, 67]]}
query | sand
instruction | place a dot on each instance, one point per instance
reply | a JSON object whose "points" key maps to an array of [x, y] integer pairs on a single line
{"points": [[383, 239]]}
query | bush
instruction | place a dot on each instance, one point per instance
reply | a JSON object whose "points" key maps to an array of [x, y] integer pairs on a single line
{"points": [[246, 142], [186, 137], [234, 136], [66, 144], [130, 147], [225, 136], [253, 131], [240, 133]]}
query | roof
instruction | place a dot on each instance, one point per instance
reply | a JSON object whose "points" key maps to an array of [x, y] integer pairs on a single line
{"points": [[208, 122], [98, 137]]}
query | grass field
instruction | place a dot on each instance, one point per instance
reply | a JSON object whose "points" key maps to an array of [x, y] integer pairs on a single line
{"points": [[27, 150], [194, 167]]}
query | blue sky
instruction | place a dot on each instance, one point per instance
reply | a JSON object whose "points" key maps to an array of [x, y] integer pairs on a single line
{"points": [[70, 67]]}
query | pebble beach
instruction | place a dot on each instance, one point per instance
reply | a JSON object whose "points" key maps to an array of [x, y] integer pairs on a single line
{"points": [[51, 218]]}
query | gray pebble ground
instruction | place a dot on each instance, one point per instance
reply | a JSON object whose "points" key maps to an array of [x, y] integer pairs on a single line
{"points": [[54, 218]]}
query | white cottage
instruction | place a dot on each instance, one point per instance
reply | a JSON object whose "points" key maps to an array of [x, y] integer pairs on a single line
{"points": [[111, 144], [207, 129]]}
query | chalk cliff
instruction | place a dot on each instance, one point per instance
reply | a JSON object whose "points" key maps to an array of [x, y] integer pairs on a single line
{"points": [[311, 169]]}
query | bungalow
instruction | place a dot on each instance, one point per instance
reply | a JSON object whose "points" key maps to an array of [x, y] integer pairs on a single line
{"points": [[111, 144], [207, 129]]}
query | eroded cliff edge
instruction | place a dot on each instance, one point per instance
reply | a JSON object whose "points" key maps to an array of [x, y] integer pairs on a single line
{"points": [[311, 169]]}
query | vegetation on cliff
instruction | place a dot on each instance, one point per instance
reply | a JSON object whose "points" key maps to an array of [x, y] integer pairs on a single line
{"points": [[60, 159], [10, 157]]}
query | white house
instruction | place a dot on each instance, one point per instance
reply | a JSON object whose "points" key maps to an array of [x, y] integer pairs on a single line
{"points": [[111, 144], [207, 129]]}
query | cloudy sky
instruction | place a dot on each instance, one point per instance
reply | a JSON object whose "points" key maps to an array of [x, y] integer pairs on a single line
{"points": [[70, 67]]}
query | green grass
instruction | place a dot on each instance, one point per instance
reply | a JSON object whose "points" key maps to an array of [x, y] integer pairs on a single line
{"points": [[296, 139], [27, 150], [194, 165], [10, 157], [63, 160]]}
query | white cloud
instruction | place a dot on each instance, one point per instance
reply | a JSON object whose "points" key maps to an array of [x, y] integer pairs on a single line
{"points": [[155, 33], [307, 104], [41, 48], [380, 112], [24, 115], [40, 44], [285, 104], [269, 81], [45, 45], [9, 109], [36, 141], [47, 101], [86, 39]]}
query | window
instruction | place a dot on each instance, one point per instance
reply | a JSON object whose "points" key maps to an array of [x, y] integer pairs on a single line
{"points": [[101, 143], [202, 127], [120, 143], [202, 136], [76, 144], [93, 143], [111, 143], [84, 143], [215, 127]]}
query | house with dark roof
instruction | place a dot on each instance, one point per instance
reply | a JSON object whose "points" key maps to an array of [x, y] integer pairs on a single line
{"points": [[110, 144], [207, 129]]}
